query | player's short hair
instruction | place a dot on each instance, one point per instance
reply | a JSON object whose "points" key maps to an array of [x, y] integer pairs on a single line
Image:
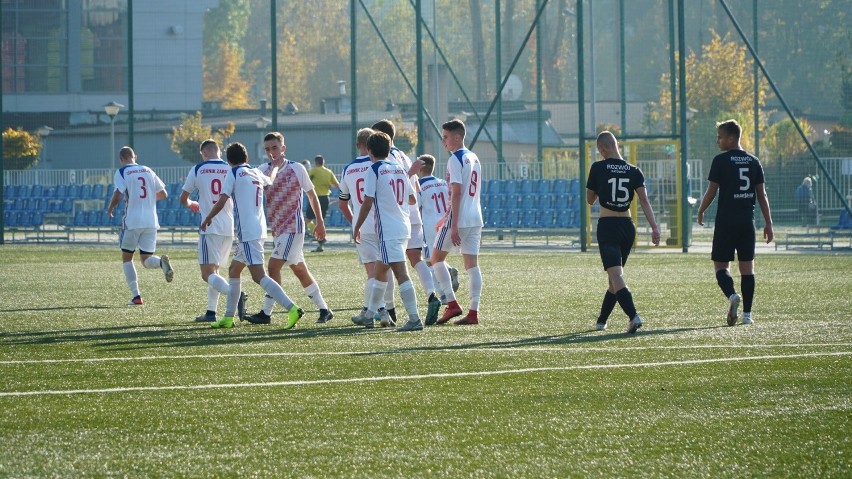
{"points": [[236, 153], [607, 139], [730, 128], [274, 135], [428, 163], [385, 126], [363, 136], [319, 160], [379, 144], [209, 143], [455, 126], [126, 153]]}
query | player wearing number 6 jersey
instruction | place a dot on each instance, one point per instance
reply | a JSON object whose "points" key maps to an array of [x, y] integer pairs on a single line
{"points": [[141, 189], [463, 228], [215, 243], [613, 182], [738, 178]]}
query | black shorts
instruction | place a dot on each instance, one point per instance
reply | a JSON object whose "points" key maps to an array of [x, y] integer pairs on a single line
{"points": [[727, 238], [615, 240], [323, 201]]}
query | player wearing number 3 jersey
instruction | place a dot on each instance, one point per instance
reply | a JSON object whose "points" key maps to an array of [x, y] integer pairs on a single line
{"points": [[463, 227], [738, 178]]}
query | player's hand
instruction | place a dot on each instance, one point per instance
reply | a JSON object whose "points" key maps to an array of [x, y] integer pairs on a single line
{"points": [[206, 223], [319, 232], [655, 236], [456, 237], [110, 212], [768, 234], [356, 236], [700, 218], [193, 206]]}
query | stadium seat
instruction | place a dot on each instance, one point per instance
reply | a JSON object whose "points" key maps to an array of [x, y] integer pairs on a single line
{"points": [[513, 218], [73, 191], [510, 187], [530, 219], [526, 187], [61, 191], [559, 186], [548, 218], [844, 222], [37, 191], [530, 202], [574, 186], [84, 192], [168, 218], [497, 219], [546, 202], [494, 187], [99, 191], [514, 201]]}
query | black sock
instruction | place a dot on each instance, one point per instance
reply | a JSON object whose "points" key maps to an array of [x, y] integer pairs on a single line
{"points": [[392, 314], [211, 312], [723, 277], [607, 306], [747, 286], [625, 300]]}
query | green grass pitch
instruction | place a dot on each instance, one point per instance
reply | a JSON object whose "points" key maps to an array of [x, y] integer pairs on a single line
{"points": [[90, 387]]}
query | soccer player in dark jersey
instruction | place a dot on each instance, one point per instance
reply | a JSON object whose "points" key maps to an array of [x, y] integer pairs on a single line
{"points": [[738, 178], [613, 182]]}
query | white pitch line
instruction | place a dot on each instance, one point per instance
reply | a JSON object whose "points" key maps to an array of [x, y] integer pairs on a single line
{"points": [[460, 349], [315, 382]]}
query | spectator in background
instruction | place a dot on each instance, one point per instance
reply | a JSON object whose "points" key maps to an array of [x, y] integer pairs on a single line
{"points": [[805, 202], [323, 180]]}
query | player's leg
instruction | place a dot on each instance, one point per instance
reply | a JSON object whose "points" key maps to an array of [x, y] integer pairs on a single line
{"points": [[722, 253], [368, 255], [280, 249], [745, 255], [407, 293], [271, 286], [127, 243], [235, 270], [443, 246], [312, 290], [471, 239], [147, 245], [213, 251], [323, 201]]}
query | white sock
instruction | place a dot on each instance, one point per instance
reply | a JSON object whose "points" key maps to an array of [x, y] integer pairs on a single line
{"points": [[442, 274], [475, 277], [389, 292], [151, 262], [219, 285], [409, 299], [425, 275], [212, 297], [131, 278], [268, 304], [376, 295], [439, 290], [313, 292], [274, 289], [368, 292], [233, 297]]}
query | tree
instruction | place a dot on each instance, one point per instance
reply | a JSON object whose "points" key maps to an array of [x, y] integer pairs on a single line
{"points": [[224, 81], [21, 149], [187, 137], [783, 139]]}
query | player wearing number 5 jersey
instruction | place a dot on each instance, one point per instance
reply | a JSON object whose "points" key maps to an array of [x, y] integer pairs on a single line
{"points": [[463, 228], [141, 189], [738, 179], [613, 182], [214, 244]]}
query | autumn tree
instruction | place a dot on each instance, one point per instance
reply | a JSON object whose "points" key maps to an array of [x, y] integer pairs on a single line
{"points": [[224, 68], [187, 137], [21, 149]]}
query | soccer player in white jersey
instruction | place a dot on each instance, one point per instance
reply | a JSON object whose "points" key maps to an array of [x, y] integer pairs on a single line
{"points": [[386, 192], [463, 228], [141, 189], [215, 243], [284, 209], [244, 187]]}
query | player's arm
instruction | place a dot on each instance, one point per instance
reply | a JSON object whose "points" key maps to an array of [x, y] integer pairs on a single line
{"points": [[223, 200], [709, 196], [763, 200], [591, 196], [455, 207], [162, 194], [649, 214], [366, 208], [113, 202], [319, 230], [185, 201]]}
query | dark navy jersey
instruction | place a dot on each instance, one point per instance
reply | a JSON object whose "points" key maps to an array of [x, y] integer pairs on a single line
{"points": [[737, 173], [614, 181]]}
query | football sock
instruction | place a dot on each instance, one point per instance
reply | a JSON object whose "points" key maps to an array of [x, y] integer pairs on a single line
{"points": [[747, 286], [368, 292], [212, 296], [425, 275], [151, 262], [625, 300], [442, 274], [233, 297], [313, 292], [439, 290], [219, 285], [131, 278], [376, 295], [475, 279], [268, 304], [409, 299], [392, 314], [389, 292], [607, 306], [274, 289], [726, 283]]}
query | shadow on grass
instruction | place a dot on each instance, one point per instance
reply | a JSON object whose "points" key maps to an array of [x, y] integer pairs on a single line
{"points": [[56, 308]]}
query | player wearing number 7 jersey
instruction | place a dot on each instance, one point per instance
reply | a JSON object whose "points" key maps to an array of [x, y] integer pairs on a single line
{"points": [[738, 178], [463, 228]]}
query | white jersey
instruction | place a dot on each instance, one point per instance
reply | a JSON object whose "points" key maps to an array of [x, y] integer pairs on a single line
{"points": [[352, 189], [244, 185], [464, 169], [397, 155], [208, 178], [434, 200], [139, 185], [387, 183]]}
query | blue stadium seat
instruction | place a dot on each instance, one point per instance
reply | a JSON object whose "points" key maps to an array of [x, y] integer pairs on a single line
{"points": [[73, 191], [514, 201], [548, 218], [546, 202], [510, 187], [526, 187], [560, 185], [8, 217], [10, 192], [61, 191], [37, 191], [168, 218], [530, 219], [513, 218], [545, 187], [530, 202], [494, 187], [24, 191], [844, 222], [497, 219], [99, 191], [574, 186]]}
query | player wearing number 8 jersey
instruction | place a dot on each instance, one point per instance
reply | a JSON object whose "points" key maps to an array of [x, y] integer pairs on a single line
{"points": [[738, 178], [463, 228]]}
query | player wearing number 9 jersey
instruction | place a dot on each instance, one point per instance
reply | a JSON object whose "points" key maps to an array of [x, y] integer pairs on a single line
{"points": [[738, 178]]}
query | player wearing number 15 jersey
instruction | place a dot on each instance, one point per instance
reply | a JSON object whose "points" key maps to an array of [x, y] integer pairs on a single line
{"points": [[738, 178], [463, 227], [214, 244]]}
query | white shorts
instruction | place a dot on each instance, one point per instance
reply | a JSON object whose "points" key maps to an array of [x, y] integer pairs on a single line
{"points": [[214, 249], [368, 248], [429, 235], [290, 247], [471, 238], [393, 251], [249, 252], [417, 240], [145, 239]]}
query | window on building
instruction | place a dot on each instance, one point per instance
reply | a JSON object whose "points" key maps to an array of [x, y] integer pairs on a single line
{"points": [[102, 45]]}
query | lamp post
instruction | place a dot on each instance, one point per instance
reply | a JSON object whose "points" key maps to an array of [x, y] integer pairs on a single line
{"points": [[111, 110], [44, 131]]}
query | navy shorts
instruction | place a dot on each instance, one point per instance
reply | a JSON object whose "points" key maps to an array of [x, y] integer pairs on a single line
{"points": [[727, 238], [615, 240]]}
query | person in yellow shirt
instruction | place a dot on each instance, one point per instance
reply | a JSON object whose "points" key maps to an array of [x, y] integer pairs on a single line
{"points": [[323, 180]]}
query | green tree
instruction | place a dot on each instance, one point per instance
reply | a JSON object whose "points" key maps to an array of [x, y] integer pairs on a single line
{"points": [[783, 139], [187, 137], [21, 149]]}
